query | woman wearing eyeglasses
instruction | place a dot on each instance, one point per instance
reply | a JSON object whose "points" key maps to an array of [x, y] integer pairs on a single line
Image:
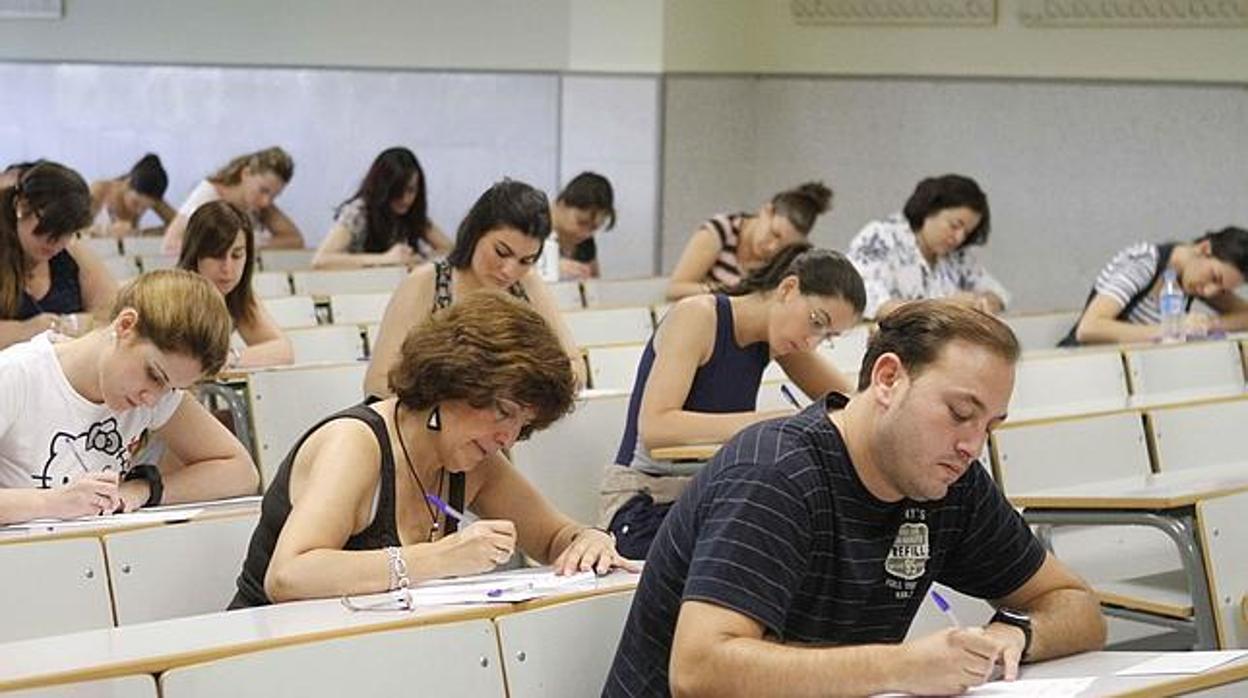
{"points": [[354, 508], [700, 373]]}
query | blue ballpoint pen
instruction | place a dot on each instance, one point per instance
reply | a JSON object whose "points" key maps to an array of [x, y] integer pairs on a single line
{"points": [[945, 608], [788, 395]]}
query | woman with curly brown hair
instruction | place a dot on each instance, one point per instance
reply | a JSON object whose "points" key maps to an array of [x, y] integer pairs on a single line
{"points": [[353, 507]]}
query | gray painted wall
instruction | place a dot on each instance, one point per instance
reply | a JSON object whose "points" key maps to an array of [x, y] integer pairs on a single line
{"points": [[1074, 171]]}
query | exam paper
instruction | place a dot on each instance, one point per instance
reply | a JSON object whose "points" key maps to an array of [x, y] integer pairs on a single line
{"points": [[1033, 688], [110, 521], [1182, 663], [500, 587]]}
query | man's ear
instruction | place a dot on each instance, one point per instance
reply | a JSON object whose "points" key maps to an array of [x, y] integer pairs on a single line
{"points": [[888, 378]]}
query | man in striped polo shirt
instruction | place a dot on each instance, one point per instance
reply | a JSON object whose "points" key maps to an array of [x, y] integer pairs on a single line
{"points": [[795, 561]]}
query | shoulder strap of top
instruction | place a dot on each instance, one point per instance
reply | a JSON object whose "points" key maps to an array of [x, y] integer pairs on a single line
{"points": [[723, 324], [441, 285], [1163, 258], [456, 495]]}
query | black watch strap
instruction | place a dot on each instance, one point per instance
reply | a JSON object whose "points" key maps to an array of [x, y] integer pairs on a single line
{"points": [[151, 474], [1018, 619]]}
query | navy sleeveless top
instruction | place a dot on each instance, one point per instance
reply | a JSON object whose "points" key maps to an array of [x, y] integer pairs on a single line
{"points": [[64, 296], [728, 382]]}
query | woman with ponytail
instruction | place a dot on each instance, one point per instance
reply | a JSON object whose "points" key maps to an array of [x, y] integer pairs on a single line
{"points": [[730, 245], [251, 182], [44, 276], [700, 373], [117, 205]]}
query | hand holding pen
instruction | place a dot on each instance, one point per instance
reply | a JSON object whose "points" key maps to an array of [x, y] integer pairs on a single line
{"points": [[480, 545], [953, 660]]}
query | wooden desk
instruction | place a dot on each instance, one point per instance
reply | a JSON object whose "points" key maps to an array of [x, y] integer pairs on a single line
{"points": [[1167, 502], [150, 648], [1103, 665], [692, 452]]}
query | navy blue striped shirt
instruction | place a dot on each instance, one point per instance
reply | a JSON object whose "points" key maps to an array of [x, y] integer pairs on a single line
{"points": [[779, 527]]}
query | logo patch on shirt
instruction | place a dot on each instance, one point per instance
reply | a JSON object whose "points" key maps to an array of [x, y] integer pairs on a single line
{"points": [[99, 448], [908, 557]]}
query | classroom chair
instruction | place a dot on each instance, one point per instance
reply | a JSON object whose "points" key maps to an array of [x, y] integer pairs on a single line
{"points": [[456, 659], [324, 343], [564, 650], [122, 269], [53, 587], [610, 326], [177, 570], [1073, 383], [614, 367], [104, 248], [292, 311], [270, 284], [136, 686], [328, 283], [1197, 435], [285, 260], [567, 295], [1041, 331], [1175, 372], [357, 308], [609, 293], [149, 246], [153, 262]]}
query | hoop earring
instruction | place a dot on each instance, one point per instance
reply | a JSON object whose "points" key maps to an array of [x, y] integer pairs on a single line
{"points": [[434, 423]]}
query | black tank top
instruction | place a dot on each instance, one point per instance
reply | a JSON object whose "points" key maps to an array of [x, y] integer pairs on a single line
{"points": [[64, 294], [381, 533]]}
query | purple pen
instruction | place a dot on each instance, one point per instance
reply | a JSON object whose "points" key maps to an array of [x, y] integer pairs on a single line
{"points": [[945, 608], [449, 510]]}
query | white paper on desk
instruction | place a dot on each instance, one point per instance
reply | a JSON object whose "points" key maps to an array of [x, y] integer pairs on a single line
{"points": [[1032, 688], [113, 520], [500, 587], [1182, 663]]}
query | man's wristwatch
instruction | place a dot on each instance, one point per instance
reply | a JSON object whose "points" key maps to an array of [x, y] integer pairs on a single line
{"points": [[1018, 619], [155, 486]]}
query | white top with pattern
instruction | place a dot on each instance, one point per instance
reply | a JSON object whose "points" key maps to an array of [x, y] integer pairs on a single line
{"points": [[352, 217], [887, 255], [49, 434], [1129, 272], [205, 192]]}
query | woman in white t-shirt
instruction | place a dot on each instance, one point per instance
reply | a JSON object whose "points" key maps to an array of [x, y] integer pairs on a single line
{"points": [[221, 247], [251, 182], [386, 222], [73, 413], [925, 251]]}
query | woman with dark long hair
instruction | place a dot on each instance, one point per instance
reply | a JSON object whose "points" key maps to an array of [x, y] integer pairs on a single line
{"points": [[386, 222]]}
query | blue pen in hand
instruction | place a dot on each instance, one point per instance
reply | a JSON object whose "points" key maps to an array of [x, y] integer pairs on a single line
{"points": [[945, 608], [464, 518], [788, 395]]}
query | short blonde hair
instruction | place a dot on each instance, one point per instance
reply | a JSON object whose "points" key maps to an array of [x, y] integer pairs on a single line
{"points": [[181, 313]]}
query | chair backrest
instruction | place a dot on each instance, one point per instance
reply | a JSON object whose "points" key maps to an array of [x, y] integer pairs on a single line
{"points": [[136, 686], [1041, 331], [562, 650], [1194, 436], [270, 284], [104, 248], [370, 336], [328, 283], [608, 293], [1225, 541], [53, 587], [357, 308], [567, 294], [327, 343], [1053, 453], [1175, 372], [1068, 384], [455, 659], [285, 260], [286, 402], [177, 570], [143, 246], [565, 462], [610, 326], [291, 311], [614, 367], [152, 262]]}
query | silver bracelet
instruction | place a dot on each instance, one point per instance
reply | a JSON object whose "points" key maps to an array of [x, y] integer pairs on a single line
{"points": [[398, 569]]}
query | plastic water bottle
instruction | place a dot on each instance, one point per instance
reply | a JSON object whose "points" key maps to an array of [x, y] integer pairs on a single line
{"points": [[548, 263], [1172, 301]]}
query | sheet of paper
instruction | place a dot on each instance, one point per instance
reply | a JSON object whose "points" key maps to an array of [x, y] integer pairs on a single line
{"points": [[1032, 688], [500, 587], [1182, 663], [115, 520]]}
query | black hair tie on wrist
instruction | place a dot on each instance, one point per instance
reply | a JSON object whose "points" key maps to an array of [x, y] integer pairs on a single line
{"points": [[155, 485]]}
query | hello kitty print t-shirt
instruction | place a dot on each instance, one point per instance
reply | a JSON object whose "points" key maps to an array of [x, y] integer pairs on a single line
{"points": [[49, 434]]}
